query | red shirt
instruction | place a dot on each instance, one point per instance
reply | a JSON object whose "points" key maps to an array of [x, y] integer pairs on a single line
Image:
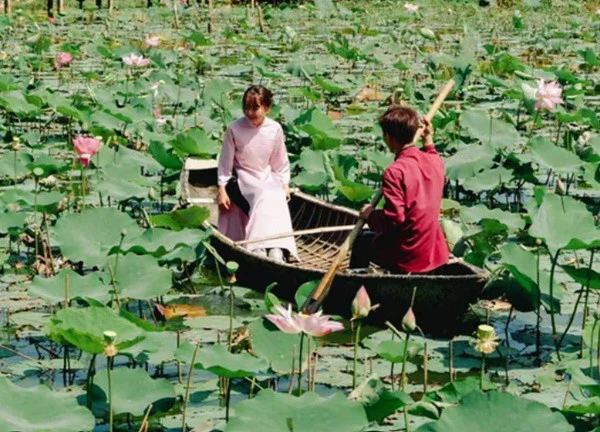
{"points": [[411, 239]]}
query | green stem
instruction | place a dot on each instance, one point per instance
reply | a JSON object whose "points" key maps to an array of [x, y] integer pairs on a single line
{"points": [[587, 295], [300, 363], [228, 399], [482, 375], [90, 381], [231, 301], [538, 335], [110, 408], [554, 336], [82, 187], [537, 114], [403, 384], [356, 340], [35, 223], [592, 348], [187, 387]]}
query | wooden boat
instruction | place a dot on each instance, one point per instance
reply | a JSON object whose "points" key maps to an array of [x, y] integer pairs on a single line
{"points": [[442, 298]]}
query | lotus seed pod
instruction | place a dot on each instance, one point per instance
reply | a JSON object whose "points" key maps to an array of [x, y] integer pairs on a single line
{"points": [[232, 267], [485, 332], [109, 336], [123, 232], [538, 242], [38, 172], [361, 305], [409, 322]]}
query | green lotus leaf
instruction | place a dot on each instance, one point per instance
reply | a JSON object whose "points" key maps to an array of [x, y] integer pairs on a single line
{"points": [[139, 277], [191, 217], [583, 276], [218, 360], [321, 128], [39, 409], [379, 402], [498, 412], [492, 131], [159, 241], [311, 181], [216, 90], [278, 348], [11, 221], [195, 143], [393, 351], [476, 214], [279, 412], [133, 390], [554, 223], [9, 167], [311, 160], [15, 102], [85, 328], [488, 180], [553, 157], [90, 235], [53, 289], [454, 391], [469, 160]]}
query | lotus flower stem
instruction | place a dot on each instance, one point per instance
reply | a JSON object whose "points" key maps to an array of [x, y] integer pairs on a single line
{"points": [[538, 335], [482, 375], [82, 187], [144, 425], [300, 363], [308, 363], [187, 387], [291, 387], [507, 359], [110, 407], [425, 367], [587, 295], [35, 224], [403, 384], [451, 360], [535, 118], [554, 335], [592, 348], [228, 399], [90, 381], [356, 340]]}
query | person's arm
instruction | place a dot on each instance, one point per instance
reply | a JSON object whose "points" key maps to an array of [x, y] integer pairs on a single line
{"points": [[280, 162], [392, 215], [225, 169], [428, 146]]}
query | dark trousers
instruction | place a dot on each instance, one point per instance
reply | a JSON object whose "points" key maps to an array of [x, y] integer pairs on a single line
{"points": [[235, 195], [363, 252]]}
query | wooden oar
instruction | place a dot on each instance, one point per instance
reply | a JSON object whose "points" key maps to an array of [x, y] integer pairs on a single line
{"points": [[298, 233], [316, 298]]}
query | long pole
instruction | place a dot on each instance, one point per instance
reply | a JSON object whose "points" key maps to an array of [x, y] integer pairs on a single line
{"points": [[298, 233], [316, 298]]}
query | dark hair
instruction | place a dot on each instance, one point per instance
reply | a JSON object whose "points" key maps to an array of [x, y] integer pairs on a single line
{"points": [[400, 123], [257, 96]]}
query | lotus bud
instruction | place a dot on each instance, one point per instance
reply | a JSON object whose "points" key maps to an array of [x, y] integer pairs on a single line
{"points": [[561, 189], [123, 232], [49, 181], [16, 144], [538, 242], [152, 193], [110, 350], [361, 305], [409, 321]]}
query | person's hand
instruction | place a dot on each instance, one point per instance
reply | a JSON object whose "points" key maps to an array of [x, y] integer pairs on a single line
{"points": [[286, 189], [427, 131], [365, 212], [223, 199]]}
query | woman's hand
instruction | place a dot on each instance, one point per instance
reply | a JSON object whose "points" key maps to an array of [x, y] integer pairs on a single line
{"points": [[223, 198], [365, 212], [286, 189]]}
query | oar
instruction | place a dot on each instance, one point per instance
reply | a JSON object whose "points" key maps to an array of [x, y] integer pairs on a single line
{"points": [[316, 298], [298, 233]]}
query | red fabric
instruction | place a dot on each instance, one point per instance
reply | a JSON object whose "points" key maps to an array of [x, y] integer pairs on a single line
{"points": [[411, 238]]}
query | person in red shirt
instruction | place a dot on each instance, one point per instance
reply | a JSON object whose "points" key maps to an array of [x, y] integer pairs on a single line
{"points": [[406, 236]]}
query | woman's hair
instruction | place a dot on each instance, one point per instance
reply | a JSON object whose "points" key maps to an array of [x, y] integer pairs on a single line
{"points": [[400, 123], [257, 96]]}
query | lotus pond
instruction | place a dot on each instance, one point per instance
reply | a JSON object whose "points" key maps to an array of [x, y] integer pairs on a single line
{"points": [[117, 313]]}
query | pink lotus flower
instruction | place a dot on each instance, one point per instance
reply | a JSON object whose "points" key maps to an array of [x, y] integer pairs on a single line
{"points": [[411, 7], [135, 60], [361, 305], [548, 95], [86, 147], [152, 41], [316, 325], [51, 20], [63, 59]]}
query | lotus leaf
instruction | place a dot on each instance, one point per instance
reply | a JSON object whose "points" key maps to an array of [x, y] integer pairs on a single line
{"points": [[10, 222], [139, 277], [324, 133], [194, 143], [54, 289], [469, 160], [218, 360], [583, 276], [513, 222], [553, 223], [555, 158], [379, 402], [497, 411], [192, 217], [393, 351], [85, 328], [492, 131], [133, 390], [275, 346], [39, 409], [278, 412], [89, 236]]}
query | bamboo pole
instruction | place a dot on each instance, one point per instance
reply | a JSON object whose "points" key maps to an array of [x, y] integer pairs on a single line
{"points": [[261, 19], [313, 301], [109, 4], [61, 6], [298, 233]]}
